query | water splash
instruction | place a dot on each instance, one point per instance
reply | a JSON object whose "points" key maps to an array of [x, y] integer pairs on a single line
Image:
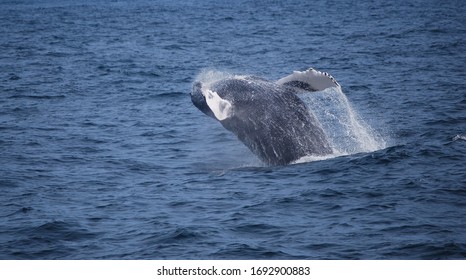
{"points": [[459, 137], [347, 132], [208, 76]]}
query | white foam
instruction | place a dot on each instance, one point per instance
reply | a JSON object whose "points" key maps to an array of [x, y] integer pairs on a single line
{"points": [[317, 158]]}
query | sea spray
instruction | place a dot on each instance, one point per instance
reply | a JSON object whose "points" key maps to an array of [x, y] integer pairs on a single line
{"points": [[347, 132]]}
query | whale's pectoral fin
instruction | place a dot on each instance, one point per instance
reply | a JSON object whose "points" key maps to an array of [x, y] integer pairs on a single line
{"points": [[309, 80], [221, 108]]}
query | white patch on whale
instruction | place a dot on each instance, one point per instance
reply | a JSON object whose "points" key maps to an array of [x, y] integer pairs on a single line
{"points": [[220, 107]]}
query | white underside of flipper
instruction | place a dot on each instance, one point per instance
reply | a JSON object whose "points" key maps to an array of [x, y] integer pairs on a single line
{"points": [[316, 80]]}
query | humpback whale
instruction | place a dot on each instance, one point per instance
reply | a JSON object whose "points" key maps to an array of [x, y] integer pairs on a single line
{"points": [[268, 116]]}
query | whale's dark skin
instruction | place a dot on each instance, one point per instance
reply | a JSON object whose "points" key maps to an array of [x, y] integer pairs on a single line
{"points": [[269, 118]]}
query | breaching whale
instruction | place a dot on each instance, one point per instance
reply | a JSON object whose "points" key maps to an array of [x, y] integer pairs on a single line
{"points": [[268, 117]]}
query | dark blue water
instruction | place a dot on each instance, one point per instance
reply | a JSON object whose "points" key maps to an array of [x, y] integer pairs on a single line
{"points": [[103, 156]]}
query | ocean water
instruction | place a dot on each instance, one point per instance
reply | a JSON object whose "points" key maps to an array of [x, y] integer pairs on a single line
{"points": [[103, 155]]}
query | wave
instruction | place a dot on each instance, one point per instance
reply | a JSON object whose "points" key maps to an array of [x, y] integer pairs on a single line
{"points": [[459, 137]]}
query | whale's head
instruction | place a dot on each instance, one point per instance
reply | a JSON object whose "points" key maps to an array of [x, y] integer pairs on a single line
{"points": [[209, 102], [199, 100]]}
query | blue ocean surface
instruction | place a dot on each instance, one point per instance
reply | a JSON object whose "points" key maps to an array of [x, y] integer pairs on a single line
{"points": [[103, 155]]}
